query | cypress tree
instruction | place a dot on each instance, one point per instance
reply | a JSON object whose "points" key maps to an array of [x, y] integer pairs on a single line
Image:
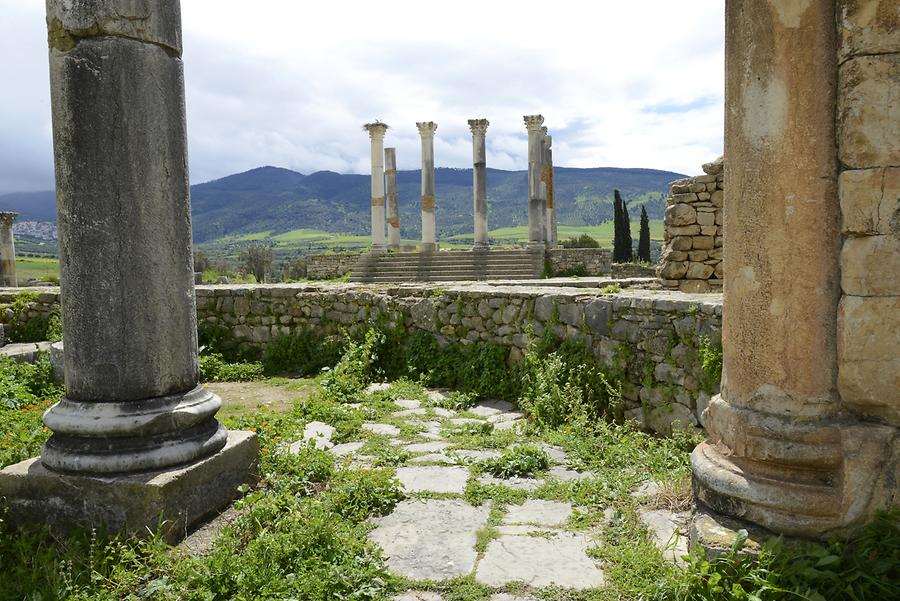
{"points": [[644, 241], [622, 252]]}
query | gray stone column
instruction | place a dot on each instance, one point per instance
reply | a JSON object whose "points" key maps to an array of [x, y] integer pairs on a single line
{"points": [[133, 408], [392, 196], [376, 135], [7, 250], [548, 191], [426, 130], [535, 201], [782, 451], [479, 182]]}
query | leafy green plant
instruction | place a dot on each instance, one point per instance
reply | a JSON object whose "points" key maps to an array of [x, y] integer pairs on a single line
{"points": [[611, 289], [301, 354], [710, 362], [521, 460], [213, 368], [355, 370], [582, 241]]}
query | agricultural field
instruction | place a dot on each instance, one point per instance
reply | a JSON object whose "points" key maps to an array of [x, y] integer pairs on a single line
{"points": [[43, 269]]}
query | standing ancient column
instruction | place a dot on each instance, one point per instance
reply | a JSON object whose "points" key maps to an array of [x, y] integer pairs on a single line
{"points": [[426, 130], [7, 250], [548, 192], [133, 405], [376, 135], [479, 182], [783, 451], [535, 202], [392, 196]]}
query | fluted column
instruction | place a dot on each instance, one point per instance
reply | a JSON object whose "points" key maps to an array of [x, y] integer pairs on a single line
{"points": [[426, 131], [479, 182], [376, 136], [392, 197], [7, 250], [536, 209]]}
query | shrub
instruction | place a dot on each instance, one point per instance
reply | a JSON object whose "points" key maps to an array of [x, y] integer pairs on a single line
{"points": [[356, 369], [22, 328], [213, 368], [710, 362], [304, 353], [521, 460], [582, 241]]}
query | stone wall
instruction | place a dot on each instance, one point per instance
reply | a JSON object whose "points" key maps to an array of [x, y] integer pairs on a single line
{"points": [[632, 270], [330, 266], [586, 261], [691, 260], [868, 132], [650, 337]]}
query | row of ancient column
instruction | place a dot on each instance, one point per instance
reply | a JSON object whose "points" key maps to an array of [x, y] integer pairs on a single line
{"points": [[385, 196]]}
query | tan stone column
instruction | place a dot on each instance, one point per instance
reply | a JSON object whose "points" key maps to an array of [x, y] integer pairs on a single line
{"points": [[536, 209], [392, 198], [7, 250], [426, 131], [376, 136], [781, 452], [548, 191], [479, 182]]}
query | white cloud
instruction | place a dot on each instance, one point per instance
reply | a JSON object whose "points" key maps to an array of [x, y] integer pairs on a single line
{"points": [[290, 83]]}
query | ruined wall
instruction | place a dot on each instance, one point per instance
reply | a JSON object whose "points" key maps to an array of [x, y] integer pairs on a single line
{"points": [[587, 261], [651, 338], [868, 132], [330, 266], [691, 259]]}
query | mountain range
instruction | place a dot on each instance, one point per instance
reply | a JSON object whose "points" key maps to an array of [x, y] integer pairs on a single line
{"points": [[273, 199]]}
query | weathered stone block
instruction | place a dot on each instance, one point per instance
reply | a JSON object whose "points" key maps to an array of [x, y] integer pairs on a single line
{"points": [[870, 201], [693, 286], [868, 111], [868, 27], [869, 266], [680, 243], [687, 230], [674, 270], [699, 271], [869, 355], [680, 214], [703, 242], [138, 503], [706, 218]]}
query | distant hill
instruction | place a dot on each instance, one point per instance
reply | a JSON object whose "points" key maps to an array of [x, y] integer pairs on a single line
{"points": [[272, 199], [278, 200]]}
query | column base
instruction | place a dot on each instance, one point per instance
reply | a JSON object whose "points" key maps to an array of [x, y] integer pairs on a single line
{"points": [[378, 248], [481, 247], [167, 501], [716, 533], [428, 247], [538, 246]]}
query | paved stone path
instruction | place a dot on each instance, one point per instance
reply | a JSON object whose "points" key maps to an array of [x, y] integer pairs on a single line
{"points": [[435, 534]]}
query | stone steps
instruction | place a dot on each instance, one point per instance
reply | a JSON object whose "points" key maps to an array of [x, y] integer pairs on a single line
{"points": [[449, 266]]}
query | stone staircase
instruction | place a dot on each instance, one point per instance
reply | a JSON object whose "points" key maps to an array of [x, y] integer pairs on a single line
{"points": [[449, 266]]}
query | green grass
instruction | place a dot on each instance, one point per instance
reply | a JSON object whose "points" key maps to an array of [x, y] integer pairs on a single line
{"points": [[602, 233], [38, 268]]}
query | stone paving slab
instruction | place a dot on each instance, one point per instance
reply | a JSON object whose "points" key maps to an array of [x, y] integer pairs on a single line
{"points": [[414, 411], [432, 539], [408, 403], [556, 454], [508, 597], [376, 387], [528, 484], [382, 429], [433, 458], [538, 511], [428, 447], [433, 478], [488, 408], [506, 417], [320, 433], [559, 560], [462, 421], [347, 448], [500, 426], [441, 412], [669, 531], [475, 455]]}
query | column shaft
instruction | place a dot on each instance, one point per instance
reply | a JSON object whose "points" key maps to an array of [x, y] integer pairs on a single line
{"points": [[775, 452], [479, 182], [426, 131], [7, 250], [548, 192], [376, 135], [535, 201], [129, 321], [392, 197]]}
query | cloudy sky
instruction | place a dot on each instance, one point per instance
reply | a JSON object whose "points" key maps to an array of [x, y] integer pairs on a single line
{"points": [[288, 83]]}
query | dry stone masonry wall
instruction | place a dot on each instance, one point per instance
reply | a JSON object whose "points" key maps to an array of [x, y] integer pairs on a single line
{"points": [[580, 261], [691, 260], [330, 266], [650, 338]]}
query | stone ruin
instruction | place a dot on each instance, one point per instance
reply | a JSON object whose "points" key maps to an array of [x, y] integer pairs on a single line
{"points": [[691, 259], [803, 439]]}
